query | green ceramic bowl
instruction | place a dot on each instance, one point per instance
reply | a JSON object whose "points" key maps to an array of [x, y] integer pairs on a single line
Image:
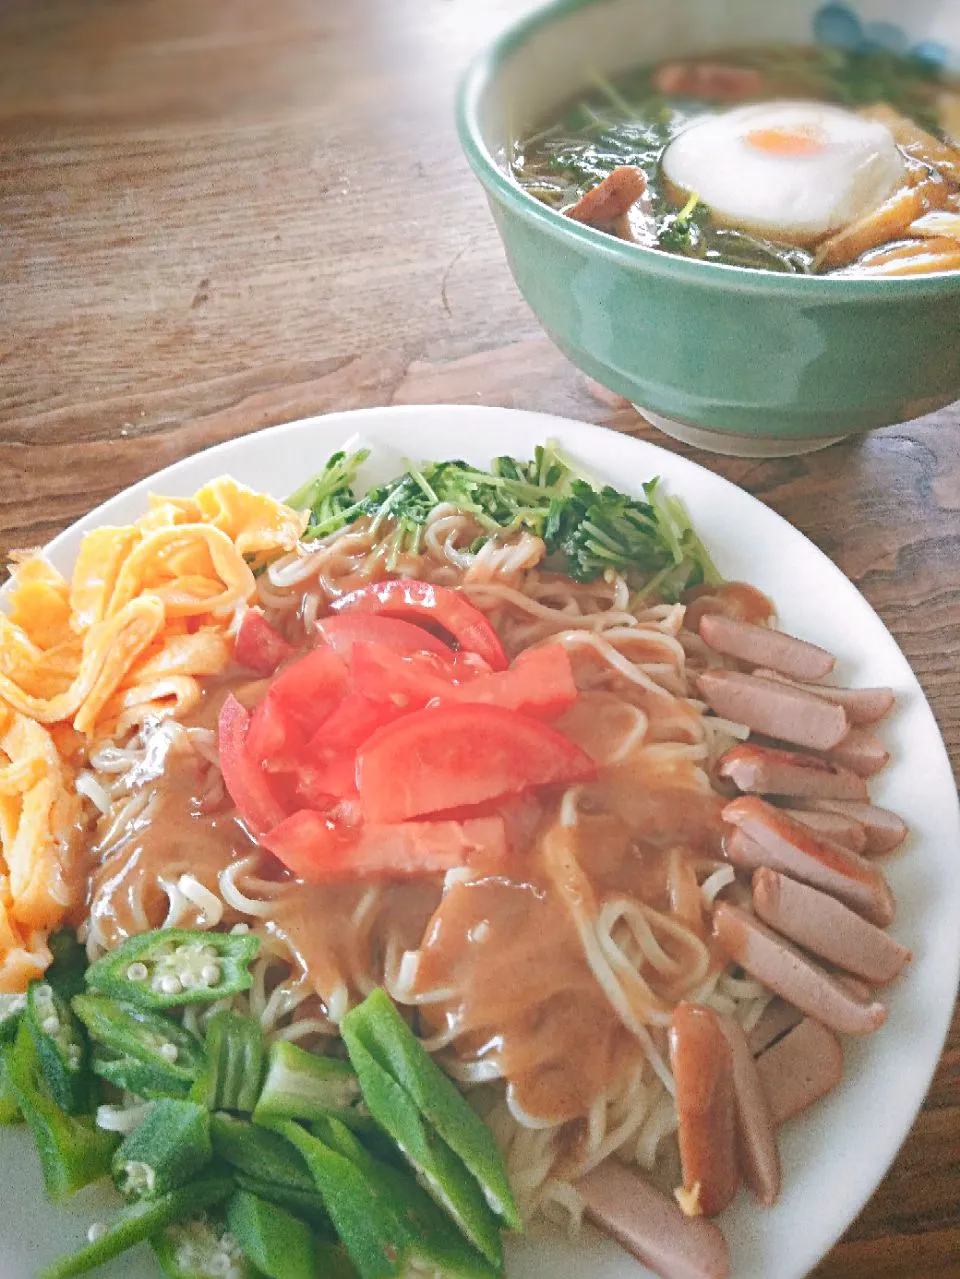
{"points": [[731, 359]]}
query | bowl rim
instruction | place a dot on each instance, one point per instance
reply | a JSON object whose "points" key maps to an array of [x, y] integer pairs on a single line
{"points": [[481, 75]]}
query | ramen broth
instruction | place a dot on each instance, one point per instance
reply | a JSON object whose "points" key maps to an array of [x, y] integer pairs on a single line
{"points": [[815, 160]]}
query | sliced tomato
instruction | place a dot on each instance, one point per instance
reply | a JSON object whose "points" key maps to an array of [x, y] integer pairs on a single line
{"points": [[323, 784], [434, 605], [405, 682], [350, 724], [275, 740], [540, 682], [453, 756], [309, 689], [259, 646], [317, 850], [343, 630], [247, 783]]}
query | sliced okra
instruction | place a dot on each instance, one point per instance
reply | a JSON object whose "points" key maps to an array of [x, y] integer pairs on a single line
{"points": [[73, 1151], [12, 1008], [233, 1063], [138, 1222], [62, 1048], [201, 1249], [441, 1171], [303, 1085], [142, 1052], [10, 1112], [385, 1220], [268, 1166], [67, 971], [170, 967], [277, 1243], [376, 1027], [170, 1147]]}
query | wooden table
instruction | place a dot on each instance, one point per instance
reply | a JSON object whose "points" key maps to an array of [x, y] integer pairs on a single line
{"points": [[215, 216]]}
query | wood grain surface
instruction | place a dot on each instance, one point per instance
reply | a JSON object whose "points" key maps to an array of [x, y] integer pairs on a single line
{"points": [[216, 216]]}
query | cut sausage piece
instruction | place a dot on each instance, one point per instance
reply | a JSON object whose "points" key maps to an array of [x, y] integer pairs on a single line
{"points": [[782, 968], [885, 830], [800, 1069], [756, 1137], [703, 1072], [819, 923], [609, 200], [775, 709], [861, 752], [863, 705], [763, 646], [842, 830], [768, 771], [776, 1019], [652, 1227], [796, 850]]}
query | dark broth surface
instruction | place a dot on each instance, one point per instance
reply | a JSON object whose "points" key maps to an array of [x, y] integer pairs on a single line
{"points": [[630, 122]]}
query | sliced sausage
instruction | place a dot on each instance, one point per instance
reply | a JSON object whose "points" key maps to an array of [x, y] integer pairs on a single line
{"points": [[768, 771], [652, 1227], [861, 752], [885, 830], [796, 850], [863, 705], [756, 1136], [763, 646], [775, 709], [842, 830], [800, 1068], [610, 199], [819, 923], [782, 968], [703, 1072], [776, 1019]]}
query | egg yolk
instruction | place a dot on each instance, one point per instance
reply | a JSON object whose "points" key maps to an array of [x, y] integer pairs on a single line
{"points": [[799, 141]]}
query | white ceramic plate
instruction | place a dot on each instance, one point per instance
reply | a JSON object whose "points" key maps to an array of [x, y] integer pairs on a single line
{"points": [[834, 1156]]}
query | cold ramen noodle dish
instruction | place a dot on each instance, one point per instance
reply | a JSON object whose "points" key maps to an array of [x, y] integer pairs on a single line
{"points": [[808, 160], [383, 872]]}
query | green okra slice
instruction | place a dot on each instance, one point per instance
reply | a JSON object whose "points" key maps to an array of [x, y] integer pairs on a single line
{"points": [[67, 971], [233, 1063], [377, 1027], [139, 1222], [441, 1171], [170, 1147], [62, 1048], [383, 1216], [169, 967], [10, 1112], [73, 1151], [12, 1008], [201, 1249], [277, 1243], [145, 1053], [304, 1085], [268, 1166]]}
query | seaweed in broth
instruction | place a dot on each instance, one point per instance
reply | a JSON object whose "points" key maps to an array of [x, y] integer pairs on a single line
{"points": [[632, 121]]}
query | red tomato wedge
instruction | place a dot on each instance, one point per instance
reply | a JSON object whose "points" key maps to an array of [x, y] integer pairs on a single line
{"points": [[274, 738], [259, 646], [354, 720], [321, 785], [405, 682], [319, 851], [309, 689], [540, 682], [454, 756], [247, 783], [436, 605], [344, 630]]}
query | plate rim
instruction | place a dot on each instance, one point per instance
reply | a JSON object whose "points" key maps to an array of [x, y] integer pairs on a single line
{"points": [[351, 421]]}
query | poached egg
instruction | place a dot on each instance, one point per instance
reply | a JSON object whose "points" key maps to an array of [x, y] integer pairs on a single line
{"points": [[796, 172]]}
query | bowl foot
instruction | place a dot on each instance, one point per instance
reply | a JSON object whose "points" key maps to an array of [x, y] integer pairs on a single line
{"points": [[731, 444]]}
